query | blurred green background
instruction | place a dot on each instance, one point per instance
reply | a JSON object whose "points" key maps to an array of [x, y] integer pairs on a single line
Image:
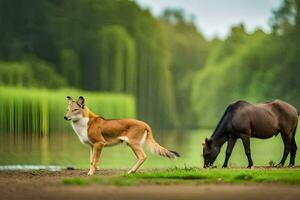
{"points": [[129, 61]]}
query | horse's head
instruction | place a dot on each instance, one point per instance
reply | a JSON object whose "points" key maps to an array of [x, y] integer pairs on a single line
{"points": [[210, 152]]}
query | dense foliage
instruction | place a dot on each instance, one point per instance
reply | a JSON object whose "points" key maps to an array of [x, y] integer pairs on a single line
{"points": [[177, 76], [256, 67], [100, 45]]}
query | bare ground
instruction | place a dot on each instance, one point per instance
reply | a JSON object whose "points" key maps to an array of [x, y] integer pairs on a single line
{"points": [[48, 185]]}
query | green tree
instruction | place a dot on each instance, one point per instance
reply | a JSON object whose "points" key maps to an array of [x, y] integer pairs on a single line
{"points": [[117, 68], [70, 67], [189, 52]]}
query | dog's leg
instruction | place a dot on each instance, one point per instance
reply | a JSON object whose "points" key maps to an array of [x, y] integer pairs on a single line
{"points": [[91, 155], [140, 154], [97, 148]]}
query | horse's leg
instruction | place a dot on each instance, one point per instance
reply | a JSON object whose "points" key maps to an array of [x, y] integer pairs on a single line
{"points": [[230, 145], [246, 143], [293, 148], [293, 152], [287, 148]]}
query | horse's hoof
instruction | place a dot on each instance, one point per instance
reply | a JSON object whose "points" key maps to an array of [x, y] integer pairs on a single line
{"points": [[292, 166], [224, 166], [250, 167], [279, 165]]}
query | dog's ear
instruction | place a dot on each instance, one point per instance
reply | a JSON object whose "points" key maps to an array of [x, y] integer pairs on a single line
{"points": [[69, 99], [81, 101]]}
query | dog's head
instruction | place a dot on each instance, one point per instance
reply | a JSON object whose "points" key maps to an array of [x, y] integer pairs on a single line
{"points": [[75, 109]]}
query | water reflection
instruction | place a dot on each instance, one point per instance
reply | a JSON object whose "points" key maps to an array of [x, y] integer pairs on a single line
{"points": [[31, 167], [64, 149]]}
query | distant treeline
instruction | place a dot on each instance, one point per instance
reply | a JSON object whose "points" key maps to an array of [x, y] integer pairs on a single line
{"points": [[257, 67], [178, 77]]}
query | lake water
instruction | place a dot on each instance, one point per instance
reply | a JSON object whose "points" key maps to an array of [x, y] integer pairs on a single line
{"points": [[64, 149]]}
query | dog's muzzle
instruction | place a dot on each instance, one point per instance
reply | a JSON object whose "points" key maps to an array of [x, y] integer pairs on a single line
{"points": [[66, 118]]}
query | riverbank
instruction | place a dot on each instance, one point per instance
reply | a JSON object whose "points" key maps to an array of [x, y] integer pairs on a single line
{"points": [[43, 184]]}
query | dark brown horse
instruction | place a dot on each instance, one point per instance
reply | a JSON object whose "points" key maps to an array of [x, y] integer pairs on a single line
{"points": [[244, 120]]}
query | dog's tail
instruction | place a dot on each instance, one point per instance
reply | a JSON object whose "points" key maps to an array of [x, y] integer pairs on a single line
{"points": [[155, 148]]}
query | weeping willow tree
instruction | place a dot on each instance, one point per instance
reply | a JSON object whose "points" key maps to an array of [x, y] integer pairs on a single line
{"points": [[189, 52], [155, 97], [142, 70], [70, 67], [117, 65]]}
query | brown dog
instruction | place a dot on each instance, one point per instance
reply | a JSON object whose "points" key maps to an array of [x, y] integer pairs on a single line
{"points": [[98, 132]]}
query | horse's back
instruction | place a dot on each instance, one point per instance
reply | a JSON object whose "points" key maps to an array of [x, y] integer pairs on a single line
{"points": [[284, 109], [265, 119], [287, 114], [240, 117]]}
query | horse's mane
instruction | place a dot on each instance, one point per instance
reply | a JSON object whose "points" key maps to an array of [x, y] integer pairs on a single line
{"points": [[225, 114]]}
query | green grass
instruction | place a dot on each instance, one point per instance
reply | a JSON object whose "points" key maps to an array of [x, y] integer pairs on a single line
{"points": [[119, 181], [195, 176], [29, 111]]}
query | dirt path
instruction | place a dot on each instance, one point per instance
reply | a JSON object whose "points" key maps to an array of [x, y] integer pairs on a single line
{"points": [[48, 185]]}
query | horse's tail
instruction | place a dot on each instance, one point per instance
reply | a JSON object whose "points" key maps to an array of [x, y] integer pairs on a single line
{"points": [[295, 130], [293, 142], [155, 148]]}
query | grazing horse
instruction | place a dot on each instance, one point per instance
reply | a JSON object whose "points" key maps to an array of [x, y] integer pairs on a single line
{"points": [[244, 120]]}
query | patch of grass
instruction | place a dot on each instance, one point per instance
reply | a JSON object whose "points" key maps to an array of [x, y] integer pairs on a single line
{"points": [[196, 176], [272, 163], [75, 181], [243, 177], [114, 180], [37, 111]]}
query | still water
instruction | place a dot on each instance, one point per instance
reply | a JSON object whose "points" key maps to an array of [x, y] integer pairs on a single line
{"points": [[65, 150]]}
